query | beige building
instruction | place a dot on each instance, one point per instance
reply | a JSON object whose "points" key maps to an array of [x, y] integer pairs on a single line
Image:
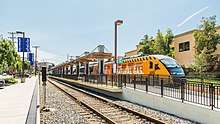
{"points": [[184, 50], [133, 52], [183, 46]]}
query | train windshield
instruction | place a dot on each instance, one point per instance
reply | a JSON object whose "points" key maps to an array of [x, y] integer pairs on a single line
{"points": [[173, 67], [169, 62]]}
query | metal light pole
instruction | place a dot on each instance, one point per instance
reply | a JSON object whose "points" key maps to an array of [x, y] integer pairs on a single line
{"points": [[22, 77], [118, 22], [35, 62]]}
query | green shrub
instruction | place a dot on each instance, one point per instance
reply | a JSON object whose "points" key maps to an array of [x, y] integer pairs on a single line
{"points": [[10, 80]]}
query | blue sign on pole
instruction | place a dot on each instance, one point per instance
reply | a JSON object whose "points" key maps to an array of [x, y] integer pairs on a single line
{"points": [[30, 57], [26, 44]]}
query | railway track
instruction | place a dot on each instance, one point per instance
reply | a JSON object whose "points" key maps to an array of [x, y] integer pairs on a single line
{"points": [[97, 109]]}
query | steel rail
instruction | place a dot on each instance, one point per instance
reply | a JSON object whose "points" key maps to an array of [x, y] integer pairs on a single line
{"points": [[115, 104], [86, 105]]}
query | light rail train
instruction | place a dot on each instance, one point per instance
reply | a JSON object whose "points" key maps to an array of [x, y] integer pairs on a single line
{"points": [[143, 64]]}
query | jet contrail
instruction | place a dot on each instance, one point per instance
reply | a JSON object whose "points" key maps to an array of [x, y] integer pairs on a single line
{"points": [[194, 14]]}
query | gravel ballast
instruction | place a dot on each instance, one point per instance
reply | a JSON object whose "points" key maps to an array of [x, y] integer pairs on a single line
{"points": [[64, 113], [61, 110]]}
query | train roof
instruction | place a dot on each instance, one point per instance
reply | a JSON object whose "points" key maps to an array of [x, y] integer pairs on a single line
{"points": [[136, 56], [80, 67], [96, 63], [161, 56], [142, 56], [132, 57], [92, 64], [108, 61]]}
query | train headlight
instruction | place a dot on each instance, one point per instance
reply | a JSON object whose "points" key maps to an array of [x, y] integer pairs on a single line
{"points": [[179, 73], [173, 73]]}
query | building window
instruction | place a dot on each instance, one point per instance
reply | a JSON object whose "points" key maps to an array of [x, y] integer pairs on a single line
{"points": [[184, 46]]}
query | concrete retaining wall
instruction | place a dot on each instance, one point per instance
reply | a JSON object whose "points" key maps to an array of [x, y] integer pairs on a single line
{"points": [[184, 110]]}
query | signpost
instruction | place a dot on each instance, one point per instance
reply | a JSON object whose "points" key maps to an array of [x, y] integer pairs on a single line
{"points": [[30, 58], [26, 44], [23, 46]]}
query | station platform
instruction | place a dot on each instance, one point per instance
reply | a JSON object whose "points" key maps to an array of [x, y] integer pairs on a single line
{"points": [[107, 90], [18, 103]]}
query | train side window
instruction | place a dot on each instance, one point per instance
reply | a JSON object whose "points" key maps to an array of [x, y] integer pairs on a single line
{"points": [[156, 67], [151, 65]]}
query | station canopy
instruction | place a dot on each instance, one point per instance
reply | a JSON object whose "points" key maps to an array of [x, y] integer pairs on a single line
{"points": [[88, 57]]}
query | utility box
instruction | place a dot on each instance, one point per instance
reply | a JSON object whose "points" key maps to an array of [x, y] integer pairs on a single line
{"points": [[101, 48], [85, 53]]}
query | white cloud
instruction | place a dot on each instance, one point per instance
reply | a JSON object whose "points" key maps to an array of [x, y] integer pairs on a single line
{"points": [[194, 14]]}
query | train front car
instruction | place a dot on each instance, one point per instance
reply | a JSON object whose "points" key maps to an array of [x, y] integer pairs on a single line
{"points": [[173, 67]]}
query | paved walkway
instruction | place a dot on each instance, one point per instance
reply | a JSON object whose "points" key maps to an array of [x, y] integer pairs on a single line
{"points": [[15, 102]]}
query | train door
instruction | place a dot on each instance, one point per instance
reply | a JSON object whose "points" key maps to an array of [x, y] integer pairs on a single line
{"points": [[151, 66], [119, 69], [95, 69], [157, 68], [111, 68], [145, 66], [123, 67], [134, 69], [130, 68], [106, 69], [139, 68], [126, 68]]}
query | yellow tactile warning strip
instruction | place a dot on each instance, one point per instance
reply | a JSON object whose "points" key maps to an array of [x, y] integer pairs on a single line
{"points": [[97, 86]]}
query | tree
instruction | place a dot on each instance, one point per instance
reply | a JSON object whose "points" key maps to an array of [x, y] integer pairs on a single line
{"points": [[168, 41], [206, 40], [9, 59], [201, 61], [159, 45], [147, 45]]}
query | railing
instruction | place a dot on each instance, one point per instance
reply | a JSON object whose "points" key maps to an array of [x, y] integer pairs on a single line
{"points": [[108, 80], [199, 92], [204, 93]]}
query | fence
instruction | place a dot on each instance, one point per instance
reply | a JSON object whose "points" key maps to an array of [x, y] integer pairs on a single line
{"points": [[196, 91], [108, 80]]}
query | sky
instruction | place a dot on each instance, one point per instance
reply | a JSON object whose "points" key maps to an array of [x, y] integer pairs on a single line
{"points": [[62, 27]]}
